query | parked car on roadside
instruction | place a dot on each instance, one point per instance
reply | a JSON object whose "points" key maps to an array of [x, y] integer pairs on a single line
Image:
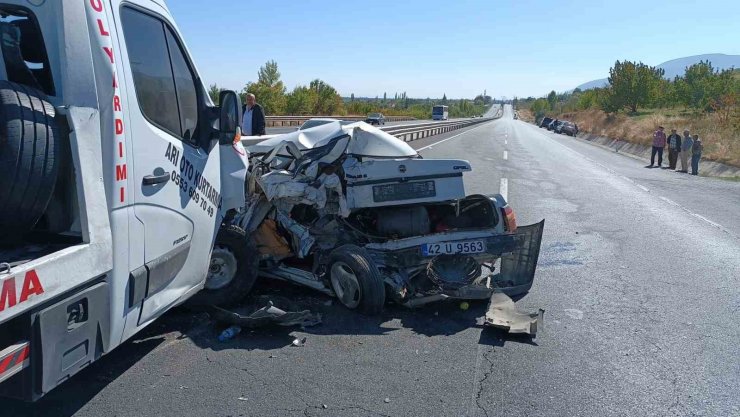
{"points": [[375, 119], [568, 128], [545, 122], [316, 122]]}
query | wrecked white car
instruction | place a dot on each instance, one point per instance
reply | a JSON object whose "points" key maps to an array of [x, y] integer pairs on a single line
{"points": [[351, 211]]}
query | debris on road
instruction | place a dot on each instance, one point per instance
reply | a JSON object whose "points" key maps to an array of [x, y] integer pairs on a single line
{"points": [[229, 333], [503, 314], [299, 342], [267, 315]]}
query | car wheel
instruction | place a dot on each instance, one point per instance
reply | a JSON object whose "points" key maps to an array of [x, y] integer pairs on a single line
{"points": [[355, 280], [232, 271]]}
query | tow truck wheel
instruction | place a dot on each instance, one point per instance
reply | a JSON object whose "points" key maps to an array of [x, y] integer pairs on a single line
{"points": [[356, 280], [232, 271]]}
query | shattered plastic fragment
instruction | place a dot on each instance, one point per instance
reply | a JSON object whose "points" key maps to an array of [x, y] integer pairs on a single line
{"points": [[503, 314], [265, 316], [299, 342]]}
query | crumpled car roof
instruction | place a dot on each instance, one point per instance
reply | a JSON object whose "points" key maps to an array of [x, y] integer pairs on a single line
{"points": [[365, 140]]}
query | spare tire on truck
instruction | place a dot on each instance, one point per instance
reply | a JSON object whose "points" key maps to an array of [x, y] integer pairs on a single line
{"points": [[30, 155]]}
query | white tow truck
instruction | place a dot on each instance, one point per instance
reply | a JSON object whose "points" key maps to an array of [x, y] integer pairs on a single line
{"points": [[116, 174]]}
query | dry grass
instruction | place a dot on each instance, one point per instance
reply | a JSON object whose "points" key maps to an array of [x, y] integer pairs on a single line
{"points": [[526, 115], [721, 143]]}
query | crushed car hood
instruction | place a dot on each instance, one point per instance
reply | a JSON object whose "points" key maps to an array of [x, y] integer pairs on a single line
{"points": [[365, 140]]}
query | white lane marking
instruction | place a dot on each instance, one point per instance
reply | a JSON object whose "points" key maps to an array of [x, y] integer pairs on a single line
{"points": [[506, 141], [504, 189], [451, 137], [697, 215], [506, 155], [667, 200]]}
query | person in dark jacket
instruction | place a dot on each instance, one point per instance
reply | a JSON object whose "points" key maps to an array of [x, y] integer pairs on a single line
{"points": [[696, 149], [674, 148], [253, 121]]}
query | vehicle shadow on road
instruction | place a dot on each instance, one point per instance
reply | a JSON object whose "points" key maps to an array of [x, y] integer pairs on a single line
{"points": [[499, 338], [438, 319], [70, 397]]}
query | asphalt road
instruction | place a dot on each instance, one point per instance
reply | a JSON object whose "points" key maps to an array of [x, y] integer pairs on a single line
{"points": [[638, 276]]}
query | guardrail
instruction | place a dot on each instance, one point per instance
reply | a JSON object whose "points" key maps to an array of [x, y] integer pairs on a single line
{"points": [[282, 121], [406, 133], [409, 133]]}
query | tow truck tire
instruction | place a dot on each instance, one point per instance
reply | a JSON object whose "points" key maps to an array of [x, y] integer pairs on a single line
{"points": [[352, 261], [236, 255], [30, 156]]}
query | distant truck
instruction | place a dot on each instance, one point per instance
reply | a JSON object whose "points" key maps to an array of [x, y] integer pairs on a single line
{"points": [[440, 113], [116, 174]]}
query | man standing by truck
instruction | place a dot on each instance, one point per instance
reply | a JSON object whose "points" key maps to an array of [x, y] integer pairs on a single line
{"points": [[253, 122]]}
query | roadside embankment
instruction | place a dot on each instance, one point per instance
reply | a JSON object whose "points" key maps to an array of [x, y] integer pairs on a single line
{"points": [[633, 135]]}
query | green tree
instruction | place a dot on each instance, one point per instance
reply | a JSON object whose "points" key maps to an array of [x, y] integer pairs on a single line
{"points": [[300, 101], [552, 99], [702, 85], [213, 93], [444, 98], [327, 100], [269, 90], [633, 85]]}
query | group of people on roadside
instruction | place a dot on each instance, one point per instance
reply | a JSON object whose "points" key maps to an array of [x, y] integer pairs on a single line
{"points": [[679, 148]]}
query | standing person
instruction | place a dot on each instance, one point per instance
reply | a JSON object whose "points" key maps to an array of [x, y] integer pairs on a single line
{"points": [[686, 146], [658, 145], [253, 121], [674, 147], [696, 149]]}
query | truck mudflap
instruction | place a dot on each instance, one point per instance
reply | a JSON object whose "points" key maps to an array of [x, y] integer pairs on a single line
{"points": [[14, 359], [518, 267]]}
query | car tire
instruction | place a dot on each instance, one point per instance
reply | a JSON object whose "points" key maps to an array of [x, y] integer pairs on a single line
{"points": [[232, 271], [30, 157], [356, 280]]}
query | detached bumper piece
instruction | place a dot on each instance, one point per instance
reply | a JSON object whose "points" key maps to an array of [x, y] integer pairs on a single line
{"points": [[503, 314]]}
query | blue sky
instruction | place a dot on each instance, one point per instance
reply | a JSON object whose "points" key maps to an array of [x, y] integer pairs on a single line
{"points": [[459, 47]]}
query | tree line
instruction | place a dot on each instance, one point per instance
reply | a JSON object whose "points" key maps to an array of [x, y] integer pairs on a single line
{"points": [[634, 85], [320, 98]]}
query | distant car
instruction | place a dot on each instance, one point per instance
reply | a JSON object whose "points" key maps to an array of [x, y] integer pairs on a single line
{"points": [[316, 122], [375, 119], [568, 128], [545, 122]]}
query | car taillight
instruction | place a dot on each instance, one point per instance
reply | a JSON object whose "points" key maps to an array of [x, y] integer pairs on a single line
{"points": [[509, 219]]}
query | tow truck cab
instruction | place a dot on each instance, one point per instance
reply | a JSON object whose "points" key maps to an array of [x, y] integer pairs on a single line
{"points": [[140, 169]]}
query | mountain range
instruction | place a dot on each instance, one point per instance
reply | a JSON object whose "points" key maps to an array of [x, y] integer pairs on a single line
{"points": [[677, 67]]}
